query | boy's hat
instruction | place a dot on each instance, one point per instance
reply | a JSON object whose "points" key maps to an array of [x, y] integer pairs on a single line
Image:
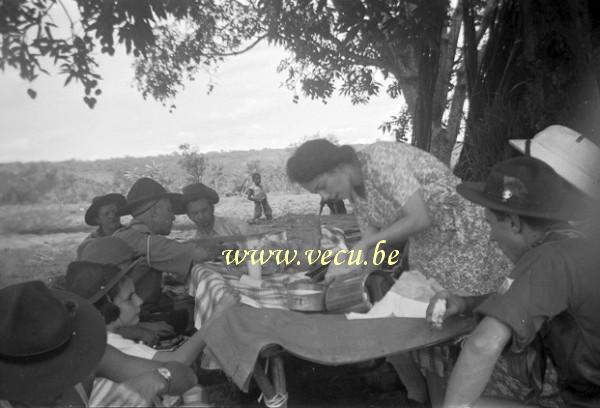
{"points": [[145, 190], [198, 191], [571, 155], [524, 186], [99, 201], [92, 280], [50, 340]]}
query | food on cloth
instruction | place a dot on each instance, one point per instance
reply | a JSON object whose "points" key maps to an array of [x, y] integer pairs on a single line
{"points": [[439, 309]]}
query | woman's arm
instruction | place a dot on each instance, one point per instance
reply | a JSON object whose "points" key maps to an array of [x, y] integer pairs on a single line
{"points": [[185, 353], [415, 219]]}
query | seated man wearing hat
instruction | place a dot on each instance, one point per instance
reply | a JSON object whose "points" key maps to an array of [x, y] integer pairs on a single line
{"points": [[153, 210], [53, 344], [104, 213], [199, 202], [551, 296]]}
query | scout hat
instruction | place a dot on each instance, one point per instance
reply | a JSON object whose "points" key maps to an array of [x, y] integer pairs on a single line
{"points": [[92, 280], [50, 340], [524, 186], [198, 191], [145, 190], [571, 155], [100, 266], [99, 201]]}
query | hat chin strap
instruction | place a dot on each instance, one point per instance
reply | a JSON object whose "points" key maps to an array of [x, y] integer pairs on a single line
{"points": [[528, 147]]}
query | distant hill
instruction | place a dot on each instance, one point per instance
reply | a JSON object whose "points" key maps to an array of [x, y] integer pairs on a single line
{"points": [[75, 181]]}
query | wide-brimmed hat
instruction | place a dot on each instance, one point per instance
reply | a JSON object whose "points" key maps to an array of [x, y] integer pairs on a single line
{"points": [[92, 212], [49, 340], [571, 155], [198, 191], [524, 186], [144, 190], [92, 280]]}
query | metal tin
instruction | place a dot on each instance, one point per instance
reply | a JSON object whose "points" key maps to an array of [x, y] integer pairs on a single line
{"points": [[306, 296]]}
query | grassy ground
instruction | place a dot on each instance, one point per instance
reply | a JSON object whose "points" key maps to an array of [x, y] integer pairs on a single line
{"points": [[38, 241]]}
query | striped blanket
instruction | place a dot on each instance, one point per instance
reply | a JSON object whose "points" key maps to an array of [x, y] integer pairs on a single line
{"points": [[210, 281]]}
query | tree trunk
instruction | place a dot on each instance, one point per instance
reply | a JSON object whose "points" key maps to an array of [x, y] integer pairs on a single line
{"points": [[536, 71], [441, 143], [428, 73]]}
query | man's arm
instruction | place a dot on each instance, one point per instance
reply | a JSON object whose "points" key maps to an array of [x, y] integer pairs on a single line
{"points": [[476, 362], [455, 304], [119, 367]]}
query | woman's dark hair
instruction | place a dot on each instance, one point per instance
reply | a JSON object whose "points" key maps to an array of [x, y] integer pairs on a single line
{"points": [[316, 157], [106, 307]]}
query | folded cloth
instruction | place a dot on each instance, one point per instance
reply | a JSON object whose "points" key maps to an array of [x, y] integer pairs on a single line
{"points": [[408, 297], [237, 337], [414, 285], [393, 305], [210, 281]]}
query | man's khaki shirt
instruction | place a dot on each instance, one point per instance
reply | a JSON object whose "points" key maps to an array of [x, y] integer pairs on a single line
{"points": [[162, 253]]}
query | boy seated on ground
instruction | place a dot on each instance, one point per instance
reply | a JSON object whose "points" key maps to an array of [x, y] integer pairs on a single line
{"points": [[112, 292], [53, 344], [552, 294], [199, 203]]}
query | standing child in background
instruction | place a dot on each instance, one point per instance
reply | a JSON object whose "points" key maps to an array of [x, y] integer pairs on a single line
{"points": [[258, 195]]}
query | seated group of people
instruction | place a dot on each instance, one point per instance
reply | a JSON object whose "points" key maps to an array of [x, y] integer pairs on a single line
{"points": [[503, 249], [86, 344]]}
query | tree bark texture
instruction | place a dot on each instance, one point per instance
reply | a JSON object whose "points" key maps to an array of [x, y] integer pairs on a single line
{"points": [[537, 70]]}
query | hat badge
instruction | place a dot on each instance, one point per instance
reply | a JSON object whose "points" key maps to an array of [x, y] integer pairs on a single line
{"points": [[513, 187]]}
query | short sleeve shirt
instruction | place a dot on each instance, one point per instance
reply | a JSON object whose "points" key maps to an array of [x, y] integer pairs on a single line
{"points": [[554, 290], [162, 253], [224, 226]]}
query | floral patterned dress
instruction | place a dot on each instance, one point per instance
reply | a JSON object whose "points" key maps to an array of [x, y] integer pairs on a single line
{"points": [[455, 250]]}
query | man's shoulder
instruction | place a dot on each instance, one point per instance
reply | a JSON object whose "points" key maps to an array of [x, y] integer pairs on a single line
{"points": [[133, 227], [573, 256]]}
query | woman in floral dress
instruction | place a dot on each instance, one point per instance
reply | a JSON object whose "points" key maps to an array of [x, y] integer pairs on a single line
{"points": [[401, 193]]}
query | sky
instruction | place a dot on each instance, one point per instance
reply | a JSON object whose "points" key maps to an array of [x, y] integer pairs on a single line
{"points": [[248, 109]]}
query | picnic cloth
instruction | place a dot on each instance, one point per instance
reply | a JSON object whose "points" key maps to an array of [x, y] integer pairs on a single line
{"points": [[210, 281], [236, 338]]}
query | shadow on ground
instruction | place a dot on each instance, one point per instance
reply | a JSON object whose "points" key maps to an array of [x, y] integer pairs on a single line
{"points": [[370, 384]]}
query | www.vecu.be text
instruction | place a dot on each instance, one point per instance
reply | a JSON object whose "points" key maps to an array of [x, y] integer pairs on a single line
{"points": [[289, 257]]}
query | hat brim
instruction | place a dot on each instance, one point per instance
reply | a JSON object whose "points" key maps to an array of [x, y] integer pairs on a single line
{"points": [[41, 381], [92, 212], [570, 172], [474, 192], [175, 198], [113, 281]]}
